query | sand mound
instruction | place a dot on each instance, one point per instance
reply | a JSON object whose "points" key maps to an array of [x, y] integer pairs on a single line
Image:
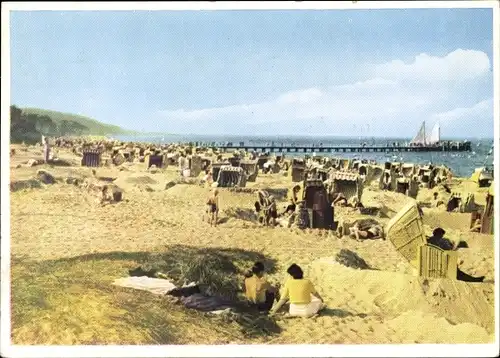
{"points": [[242, 214], [170, 184], [392, 202], [139, 182], [45, 177], [25, 184], [392, 294], [351, 259], [63, 162], [411, 323], [141, 179], [449, 221]]}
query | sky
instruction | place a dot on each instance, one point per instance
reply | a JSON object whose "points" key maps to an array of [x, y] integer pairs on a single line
{"points": [[373, 73]]}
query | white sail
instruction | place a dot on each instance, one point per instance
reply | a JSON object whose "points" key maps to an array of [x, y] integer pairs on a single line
{"points": [[435, 135], [420, 137]]}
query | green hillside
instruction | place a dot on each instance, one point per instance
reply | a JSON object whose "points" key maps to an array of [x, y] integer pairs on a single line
{"points": [[28, 124], [93, 126]]}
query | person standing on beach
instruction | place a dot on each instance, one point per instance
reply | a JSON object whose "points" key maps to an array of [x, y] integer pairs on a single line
{"points": [[46, 149], [213, 207], [273, 212], [182, 164]]}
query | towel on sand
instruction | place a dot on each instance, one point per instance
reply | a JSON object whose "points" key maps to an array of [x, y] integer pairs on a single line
{"points": [[158, 286]]}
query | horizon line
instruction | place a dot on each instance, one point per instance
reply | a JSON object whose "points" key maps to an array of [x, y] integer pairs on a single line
{"points": [[323, 136]]}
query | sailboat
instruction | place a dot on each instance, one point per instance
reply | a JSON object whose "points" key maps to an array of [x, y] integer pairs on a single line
{"points": [[420, 138], [435, 135]]}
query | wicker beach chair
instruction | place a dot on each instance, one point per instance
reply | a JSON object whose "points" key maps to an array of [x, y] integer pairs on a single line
{"points": [[298, 168], [434, 262], [230, 176], [316, 200], [405, 231], [408, 170], [250, 168], [349, 184]]}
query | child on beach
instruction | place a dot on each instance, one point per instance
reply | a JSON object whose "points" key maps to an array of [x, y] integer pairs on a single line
{"points": [[208, 177], [305, 301], [294, 198], [258, 291], [213, 207], [273, 212]]}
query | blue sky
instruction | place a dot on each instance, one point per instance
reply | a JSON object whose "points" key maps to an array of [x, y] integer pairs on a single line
{"points": [[329, 72]]}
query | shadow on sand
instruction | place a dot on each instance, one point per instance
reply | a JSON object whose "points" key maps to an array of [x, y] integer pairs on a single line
{"points": [[337, 312], [221, 269]]}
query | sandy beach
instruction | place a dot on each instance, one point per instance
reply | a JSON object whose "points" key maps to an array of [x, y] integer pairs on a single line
{"points": [[67, 249]]}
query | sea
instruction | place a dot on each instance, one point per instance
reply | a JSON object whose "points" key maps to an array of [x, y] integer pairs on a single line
{"points": [[462, 164]]}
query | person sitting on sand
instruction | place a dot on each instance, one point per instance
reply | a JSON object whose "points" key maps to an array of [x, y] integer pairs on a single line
{"points": [[372, 233], [305, 301], [294, 197], [339, 199], [437, 239], [386, 181], [258, 291], [208, 177], [105, 196], [477, 226], [436, 201], [301, 217], [213, 207]]}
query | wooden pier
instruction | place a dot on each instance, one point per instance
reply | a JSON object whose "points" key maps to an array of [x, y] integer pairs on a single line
{"points": [[449, 147]]}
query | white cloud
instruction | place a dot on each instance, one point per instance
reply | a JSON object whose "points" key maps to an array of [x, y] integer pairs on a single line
{"points": [[389, 102], [473, 121], [303, 96], [481, 110], [456, 66]]}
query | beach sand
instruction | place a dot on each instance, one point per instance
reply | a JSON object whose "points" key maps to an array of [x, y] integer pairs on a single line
{"points": [[67, 250]]}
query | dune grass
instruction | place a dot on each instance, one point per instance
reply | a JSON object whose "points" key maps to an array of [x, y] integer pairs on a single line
{"points": [[72, 301]]}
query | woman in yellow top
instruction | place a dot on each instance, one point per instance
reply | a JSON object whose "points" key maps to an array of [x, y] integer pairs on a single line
{"points": [[305, 301], [258, 291]]}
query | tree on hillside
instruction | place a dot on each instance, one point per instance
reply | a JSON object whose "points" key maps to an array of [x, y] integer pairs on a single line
{"points": [[15, 114], [28, 127], [71, 128], [44, 125], [21, 129]]}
